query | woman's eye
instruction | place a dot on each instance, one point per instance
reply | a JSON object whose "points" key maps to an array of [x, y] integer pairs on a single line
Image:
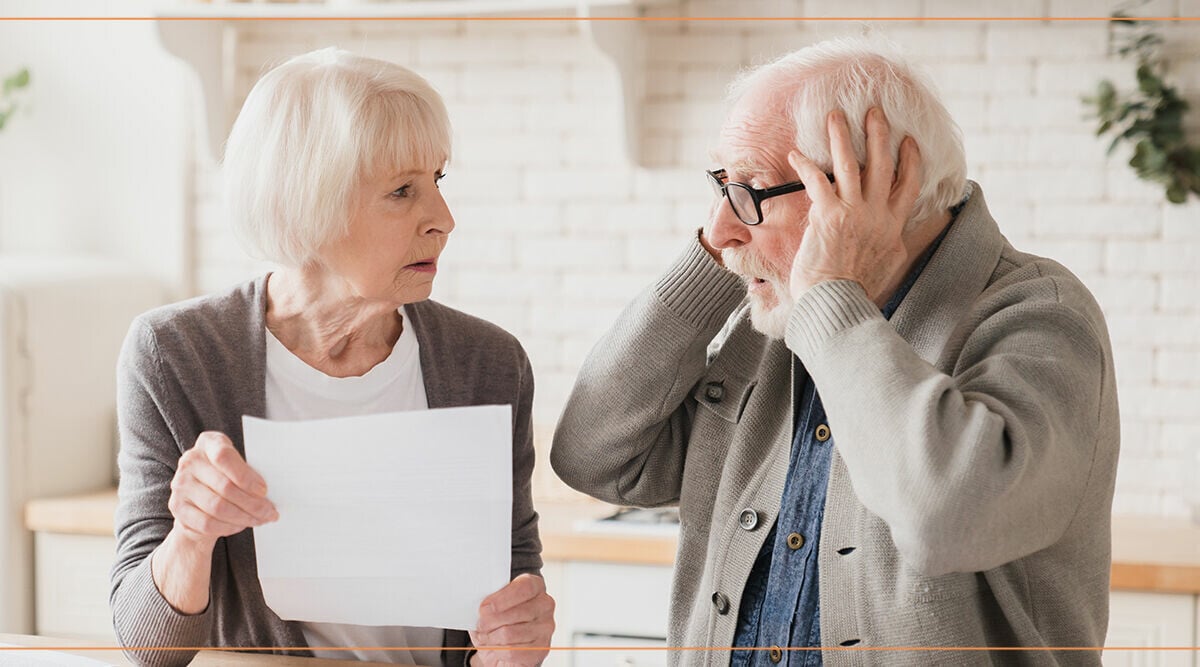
{"points": [[437, 180], [401, 191]]}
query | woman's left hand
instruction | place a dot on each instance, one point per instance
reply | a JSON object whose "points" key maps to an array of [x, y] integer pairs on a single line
{"points": [[515, 624]]}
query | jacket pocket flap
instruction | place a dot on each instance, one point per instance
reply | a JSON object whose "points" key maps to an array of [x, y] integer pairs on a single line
{"points": [[725, 396]]}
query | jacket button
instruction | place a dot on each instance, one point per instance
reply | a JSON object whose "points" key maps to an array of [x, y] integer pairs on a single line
{"points": [[795, 541], [822, 433], [721, 603], [748, 519], [775, 654], [714, 392]]}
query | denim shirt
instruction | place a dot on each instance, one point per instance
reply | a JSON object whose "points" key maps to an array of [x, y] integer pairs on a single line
{"points": [[781, 602]]}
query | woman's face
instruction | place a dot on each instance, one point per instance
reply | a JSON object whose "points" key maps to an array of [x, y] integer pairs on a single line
{"points": [[399, 225]]}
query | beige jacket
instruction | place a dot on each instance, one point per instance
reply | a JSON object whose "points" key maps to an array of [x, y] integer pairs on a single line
{"points": [[976, 438]]}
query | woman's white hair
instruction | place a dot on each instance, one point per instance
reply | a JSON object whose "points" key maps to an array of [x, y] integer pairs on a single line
{"points": [[310, 131], [855, 74]]}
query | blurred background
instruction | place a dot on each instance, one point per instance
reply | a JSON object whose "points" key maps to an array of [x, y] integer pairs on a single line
{"points": [[577, 176]]}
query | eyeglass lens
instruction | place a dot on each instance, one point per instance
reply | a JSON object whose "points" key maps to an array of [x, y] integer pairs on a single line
{"points": [[742, 202]]}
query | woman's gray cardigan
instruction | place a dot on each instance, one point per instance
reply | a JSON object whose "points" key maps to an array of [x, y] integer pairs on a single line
{"points": [[199, 366]]}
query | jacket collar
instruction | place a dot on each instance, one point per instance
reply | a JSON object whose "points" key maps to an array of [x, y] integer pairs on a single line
{"points": [[953, 280]]}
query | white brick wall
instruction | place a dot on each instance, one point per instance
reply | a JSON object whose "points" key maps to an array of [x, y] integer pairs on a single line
{"points": [[556, 230]]}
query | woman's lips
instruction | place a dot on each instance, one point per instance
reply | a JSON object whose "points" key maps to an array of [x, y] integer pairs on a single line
{"points": [[423, 266]]}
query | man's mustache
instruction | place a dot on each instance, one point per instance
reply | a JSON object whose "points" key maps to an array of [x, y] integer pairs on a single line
{"points": [[746, 263]]}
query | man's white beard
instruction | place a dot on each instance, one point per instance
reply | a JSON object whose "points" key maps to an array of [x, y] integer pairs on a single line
{"points": [[771, 321]]}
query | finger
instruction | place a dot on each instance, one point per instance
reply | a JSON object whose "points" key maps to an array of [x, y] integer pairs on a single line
{"points": [[256, 509], [880, 171], [195, 519], [816, 183], [845, 164], [517, 655], [535, 634], [526, 658], [524, 587], [524, 634], [201, 495], [540, 607], [908, 183], [221, 453]]}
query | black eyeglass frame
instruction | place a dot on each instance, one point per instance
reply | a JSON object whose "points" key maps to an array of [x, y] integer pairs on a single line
{"points": [[717, 178]]}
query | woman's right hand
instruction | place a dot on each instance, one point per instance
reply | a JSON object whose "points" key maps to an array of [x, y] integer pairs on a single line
{"points": [[215, 493]]}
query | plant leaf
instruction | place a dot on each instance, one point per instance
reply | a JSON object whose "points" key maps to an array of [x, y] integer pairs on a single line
{"points": [[1148, 82], [1128, 109], [1113, 146], [16, 81]]}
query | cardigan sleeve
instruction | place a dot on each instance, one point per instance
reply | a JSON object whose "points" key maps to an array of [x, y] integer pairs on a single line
{"points": [[526, 543], [979, 467], [147, 461], [623, 434]]}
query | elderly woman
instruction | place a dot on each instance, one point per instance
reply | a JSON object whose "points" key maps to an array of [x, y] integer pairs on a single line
{"points": [[332, 172]]}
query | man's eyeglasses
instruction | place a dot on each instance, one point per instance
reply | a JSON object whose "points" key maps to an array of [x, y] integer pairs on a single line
{"points": [[746, 201]]}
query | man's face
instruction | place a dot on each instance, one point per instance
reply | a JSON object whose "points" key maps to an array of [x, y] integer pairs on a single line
{"points": [[753, 148]]}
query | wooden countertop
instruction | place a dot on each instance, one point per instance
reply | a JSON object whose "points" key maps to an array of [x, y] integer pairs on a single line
{"points": [[88, 514], [1155, 554], [1149, 553]]}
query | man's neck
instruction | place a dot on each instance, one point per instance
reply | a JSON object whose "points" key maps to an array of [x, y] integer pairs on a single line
{"points": [[916, 242]]}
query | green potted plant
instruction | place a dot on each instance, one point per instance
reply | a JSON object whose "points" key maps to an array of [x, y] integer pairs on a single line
{"points": [[9, 91], [1150, 117]]}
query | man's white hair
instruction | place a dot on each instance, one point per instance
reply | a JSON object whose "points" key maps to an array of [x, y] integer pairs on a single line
{"points": [[855, 74], [308, 134]]}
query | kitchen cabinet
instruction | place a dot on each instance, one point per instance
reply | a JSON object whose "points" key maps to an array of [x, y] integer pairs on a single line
{"points": [[62, 321], [1138, 619], [611, 614], [204, 44], [609, 651], [71, 586], [614, 599]]}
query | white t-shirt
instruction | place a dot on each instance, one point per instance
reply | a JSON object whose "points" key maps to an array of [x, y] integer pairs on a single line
{"points": [[296, 391]]}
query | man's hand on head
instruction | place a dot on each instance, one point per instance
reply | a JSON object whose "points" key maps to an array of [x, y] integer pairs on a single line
{"points": [[856, 225]]}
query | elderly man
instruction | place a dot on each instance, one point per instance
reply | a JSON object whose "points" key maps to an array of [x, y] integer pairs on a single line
{"points": [[884, 426]]}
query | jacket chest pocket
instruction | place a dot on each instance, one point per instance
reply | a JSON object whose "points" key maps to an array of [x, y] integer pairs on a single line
{"points": [[725, 397]]}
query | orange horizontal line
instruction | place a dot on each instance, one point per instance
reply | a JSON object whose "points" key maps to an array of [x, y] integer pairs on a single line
{"points": [[589, 18], [602, 648]]}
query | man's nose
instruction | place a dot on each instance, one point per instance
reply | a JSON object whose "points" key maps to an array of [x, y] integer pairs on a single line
{"points": [[725, 230]]}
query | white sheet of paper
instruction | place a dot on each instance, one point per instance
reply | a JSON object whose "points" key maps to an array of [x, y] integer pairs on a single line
{"points": [[391, 519]]}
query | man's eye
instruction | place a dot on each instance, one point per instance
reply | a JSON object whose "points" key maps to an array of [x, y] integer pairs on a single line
{"points": [[401, 191], [437, 180]]}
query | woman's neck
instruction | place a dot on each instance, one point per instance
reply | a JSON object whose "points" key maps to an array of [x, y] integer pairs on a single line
{"points": [[321, 320]]}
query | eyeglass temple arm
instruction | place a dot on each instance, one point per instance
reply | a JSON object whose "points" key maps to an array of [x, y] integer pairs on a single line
{"points": [[790, 187]]}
